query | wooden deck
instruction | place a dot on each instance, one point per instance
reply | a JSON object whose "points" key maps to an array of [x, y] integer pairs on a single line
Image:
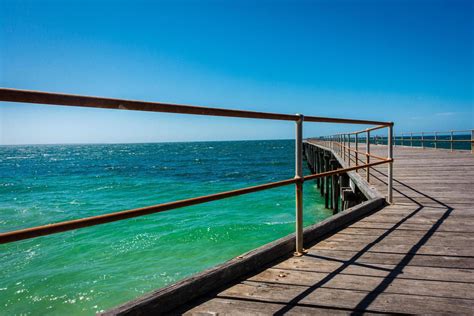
{"points": [[415, 256]]}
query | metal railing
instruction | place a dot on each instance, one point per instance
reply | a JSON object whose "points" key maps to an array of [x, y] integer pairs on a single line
{"points": [[38, 97], [452, 140], [341, 144], [435, 139]]}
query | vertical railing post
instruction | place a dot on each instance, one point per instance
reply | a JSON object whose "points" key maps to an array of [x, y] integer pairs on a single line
{"points": [[343, 151], [356, 150], [341, 145], [367, 151], [349, 150], [472, 141], [436, 140], [299, 185], [344, 146], [451, 141], [338, 143], [390, 164]]}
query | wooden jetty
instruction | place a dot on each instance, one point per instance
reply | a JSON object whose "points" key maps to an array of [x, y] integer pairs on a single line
{"points": [[400, 240], [415, 256]]}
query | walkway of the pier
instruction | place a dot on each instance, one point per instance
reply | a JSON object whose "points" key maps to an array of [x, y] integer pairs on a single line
{"points": [[416, 256]]}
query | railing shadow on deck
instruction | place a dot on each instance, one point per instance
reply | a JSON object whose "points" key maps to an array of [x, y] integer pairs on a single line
{"points": [[369, 298], [372, 295]]}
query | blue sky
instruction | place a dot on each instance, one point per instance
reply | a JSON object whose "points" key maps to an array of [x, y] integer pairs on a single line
{"points": [[411, 62]]}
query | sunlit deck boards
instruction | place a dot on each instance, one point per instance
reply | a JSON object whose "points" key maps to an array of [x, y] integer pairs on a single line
{"points": [[416, 256]]}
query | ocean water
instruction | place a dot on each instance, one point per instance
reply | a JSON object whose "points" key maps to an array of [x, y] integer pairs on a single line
{"points": [[84, 271]]}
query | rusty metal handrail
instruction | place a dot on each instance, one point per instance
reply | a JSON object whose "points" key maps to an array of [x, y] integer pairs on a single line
{"points": [[338, 143], [437, 132], [116, 216], [364, 153], [410, 141], [348, 169], [39, 97], [368, 129]]}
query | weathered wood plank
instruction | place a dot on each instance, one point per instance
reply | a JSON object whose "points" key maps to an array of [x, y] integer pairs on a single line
{"points": [[392, 247], [330, 264], [404, 233], [359, 300], [366, 283], [245, 307], [449, 262], [457, 227], [434, 240]]}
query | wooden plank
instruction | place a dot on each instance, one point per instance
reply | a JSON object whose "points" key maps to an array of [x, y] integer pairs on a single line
{"points": [[404, 233], [245, 307], [367, 283], [458, 227], [391, 247], [343, 298], [433, 240], [419, 260], [330, 264]]}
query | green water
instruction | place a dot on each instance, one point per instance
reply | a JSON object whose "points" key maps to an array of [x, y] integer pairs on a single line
{"points": [[93, 269]]}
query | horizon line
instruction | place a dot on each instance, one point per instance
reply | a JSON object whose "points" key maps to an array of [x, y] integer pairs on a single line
{"points": [[151, 142]]}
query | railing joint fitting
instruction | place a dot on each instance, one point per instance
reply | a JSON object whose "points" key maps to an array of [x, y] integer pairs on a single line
{"points": [[299, 179], [300, 118]]}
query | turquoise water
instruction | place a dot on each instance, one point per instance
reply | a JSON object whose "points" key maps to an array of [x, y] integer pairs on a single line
{"points": [[93, 269]]}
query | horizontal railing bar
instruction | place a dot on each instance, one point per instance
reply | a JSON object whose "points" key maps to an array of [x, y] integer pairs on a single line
{"points": [[369, 129], [425, 134], [356, 151], [112, 217], [365, 130], [360, 152], [435, 140], [407, 140], [437, 133], [50, 229], [345, 121], [415, 139], [344, 170], [39, 97], [379, 162]]}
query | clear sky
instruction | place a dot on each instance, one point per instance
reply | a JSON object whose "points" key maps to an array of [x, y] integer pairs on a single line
{"points": [[411, 62]]}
